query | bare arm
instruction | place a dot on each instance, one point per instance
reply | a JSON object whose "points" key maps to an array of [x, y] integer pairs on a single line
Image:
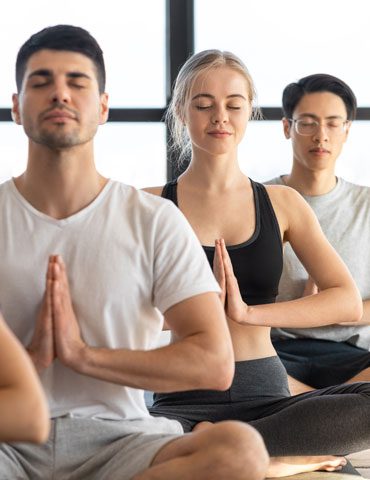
{"points": [[23, 409], [311, 289], [200, 357], [338, 299], [365, 320]]}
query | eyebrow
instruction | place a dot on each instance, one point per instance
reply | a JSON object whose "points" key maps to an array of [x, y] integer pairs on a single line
{"points": [[212, 97], [43, 72], [315, 117]]}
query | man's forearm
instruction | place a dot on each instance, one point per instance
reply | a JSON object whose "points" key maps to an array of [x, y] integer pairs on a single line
{"points": [[177, 367]]}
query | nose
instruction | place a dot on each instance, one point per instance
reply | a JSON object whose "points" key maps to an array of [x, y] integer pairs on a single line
{"points": [[321, 134], [60, 92], [219, 116]]}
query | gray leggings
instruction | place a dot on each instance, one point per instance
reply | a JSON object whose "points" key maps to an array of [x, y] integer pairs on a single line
{"points": [[333, 420]]}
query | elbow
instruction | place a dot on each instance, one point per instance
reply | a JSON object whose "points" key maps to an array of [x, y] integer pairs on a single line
{"points": [[225, 380], [357, 306], [220, 372], [354, 311], [37, 421], [38, 430], [357, 311]]}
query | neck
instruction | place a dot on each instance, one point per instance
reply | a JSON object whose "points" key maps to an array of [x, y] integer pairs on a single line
{"points": [[60, 183], [311, 182], [212, 173]]}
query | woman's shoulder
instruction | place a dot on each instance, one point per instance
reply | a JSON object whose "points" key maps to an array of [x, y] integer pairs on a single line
{"points": [[282, 193], [153, 190]]}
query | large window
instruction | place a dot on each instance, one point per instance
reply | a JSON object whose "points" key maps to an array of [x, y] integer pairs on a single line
{"points": [[146, 41]]}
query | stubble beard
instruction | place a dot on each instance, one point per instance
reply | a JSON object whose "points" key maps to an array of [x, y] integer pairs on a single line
{"points": [[59, 138]]}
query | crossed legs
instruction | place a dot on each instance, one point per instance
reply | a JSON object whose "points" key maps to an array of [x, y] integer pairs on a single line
{"points": [[226, 450]]}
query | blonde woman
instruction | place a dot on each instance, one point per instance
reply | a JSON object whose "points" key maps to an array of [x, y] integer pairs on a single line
{"points": [[211, 105]]}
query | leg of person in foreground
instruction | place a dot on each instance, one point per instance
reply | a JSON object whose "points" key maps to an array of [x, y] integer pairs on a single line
{"points": [[227, 450]]}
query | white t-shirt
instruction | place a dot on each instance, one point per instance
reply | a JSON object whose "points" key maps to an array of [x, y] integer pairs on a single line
{"points": [[129, 256]]}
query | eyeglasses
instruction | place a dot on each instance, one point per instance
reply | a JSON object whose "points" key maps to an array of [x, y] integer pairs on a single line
{"points": [[308, 126]]}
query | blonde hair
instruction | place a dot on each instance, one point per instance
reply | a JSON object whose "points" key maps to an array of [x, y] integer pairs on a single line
{"points": [[199, 63]]}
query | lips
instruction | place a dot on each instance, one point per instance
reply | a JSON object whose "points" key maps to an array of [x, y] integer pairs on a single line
{"points": [[59, 114], [221, 133], [319, 150]]}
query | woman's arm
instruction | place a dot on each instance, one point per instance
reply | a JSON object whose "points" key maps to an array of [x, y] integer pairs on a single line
{"points": [[23, 409], [338, 299]]}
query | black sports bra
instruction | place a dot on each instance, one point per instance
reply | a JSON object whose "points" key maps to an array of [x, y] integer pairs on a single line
{"points": [[258, 262]]}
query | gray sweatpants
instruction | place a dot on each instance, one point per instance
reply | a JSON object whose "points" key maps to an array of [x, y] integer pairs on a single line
{"points": [[81, 449]]}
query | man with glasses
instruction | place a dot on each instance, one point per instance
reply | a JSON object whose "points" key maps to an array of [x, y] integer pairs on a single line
{"points": [[318, 111]]}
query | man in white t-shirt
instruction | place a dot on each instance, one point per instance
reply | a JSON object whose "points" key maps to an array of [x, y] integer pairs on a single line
{"points": [[318, 112], [87, 267]]}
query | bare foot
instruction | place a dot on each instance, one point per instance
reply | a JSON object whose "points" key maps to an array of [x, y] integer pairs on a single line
{"points": [[285, 466]]}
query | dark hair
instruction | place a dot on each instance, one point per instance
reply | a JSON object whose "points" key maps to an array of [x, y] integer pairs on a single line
{"points": [[320, 82], [61, 37]]}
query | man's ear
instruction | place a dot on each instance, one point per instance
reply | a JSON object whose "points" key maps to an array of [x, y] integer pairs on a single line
{"points": [[15, 109], [347, 130], [104, 108], [286, 126]]}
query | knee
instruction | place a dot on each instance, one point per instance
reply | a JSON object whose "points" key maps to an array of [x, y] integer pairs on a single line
{"points": [[240, 449]]}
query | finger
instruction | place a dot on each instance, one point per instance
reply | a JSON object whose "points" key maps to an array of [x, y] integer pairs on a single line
{"points": [[220, 273], [218, 267], [49, 271], [56, 296], [232, 286], [62, 274], [48, 296], [228, 268]]}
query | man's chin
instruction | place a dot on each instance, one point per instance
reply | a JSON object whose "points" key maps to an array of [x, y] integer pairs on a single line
{"points": [[59, 142]]}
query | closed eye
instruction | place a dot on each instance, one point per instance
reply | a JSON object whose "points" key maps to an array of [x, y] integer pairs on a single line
{"points": [[77, 85], [40, 84]]}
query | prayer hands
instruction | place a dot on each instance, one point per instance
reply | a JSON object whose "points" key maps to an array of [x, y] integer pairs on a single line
{"points": [[236, 309], [57, 333]]}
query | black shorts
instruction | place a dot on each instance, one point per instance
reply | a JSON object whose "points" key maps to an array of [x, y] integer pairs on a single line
{"points": [[321, 363]]}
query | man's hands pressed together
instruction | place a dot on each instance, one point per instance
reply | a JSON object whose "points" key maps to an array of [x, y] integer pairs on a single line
{"points": [[57, 333]]}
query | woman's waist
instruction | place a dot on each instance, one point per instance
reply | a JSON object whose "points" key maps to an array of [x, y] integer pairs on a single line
{"points": [[251, 342]]}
